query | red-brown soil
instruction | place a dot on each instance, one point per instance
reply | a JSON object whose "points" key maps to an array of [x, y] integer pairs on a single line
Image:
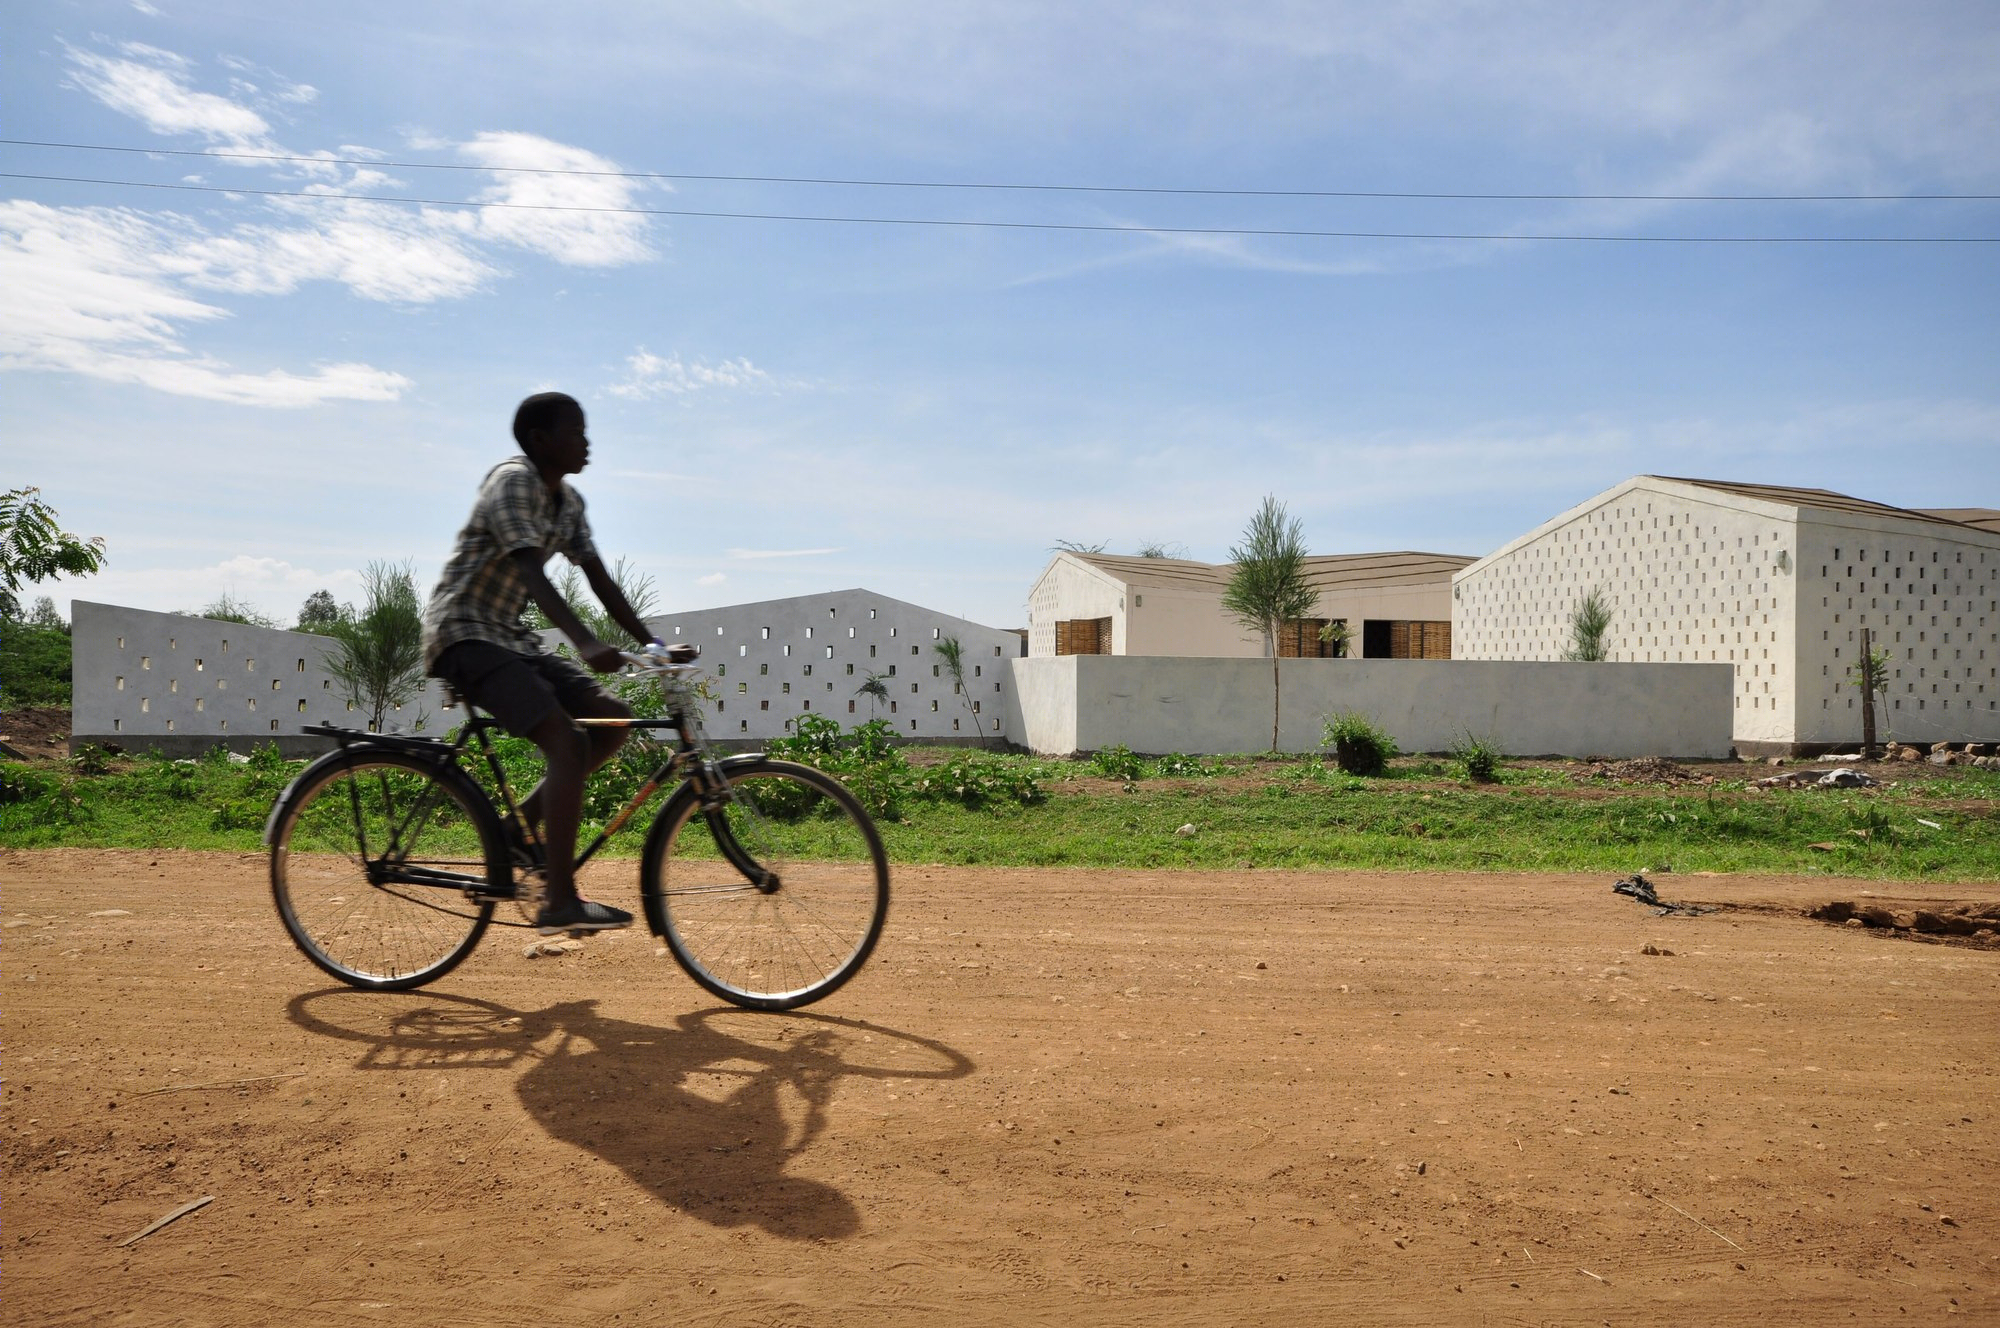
{"points": [[1054, 1097]]}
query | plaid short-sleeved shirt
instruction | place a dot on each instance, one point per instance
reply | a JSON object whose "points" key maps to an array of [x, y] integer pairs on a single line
{"points": [[481, 594]]}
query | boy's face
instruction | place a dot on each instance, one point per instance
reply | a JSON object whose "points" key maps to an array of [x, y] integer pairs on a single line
{"points": [[562, 447]]}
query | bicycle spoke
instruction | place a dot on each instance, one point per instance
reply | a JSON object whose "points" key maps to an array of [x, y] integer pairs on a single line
{"points": [[357, 912]]}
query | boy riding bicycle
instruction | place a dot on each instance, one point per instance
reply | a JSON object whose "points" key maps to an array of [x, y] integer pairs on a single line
{"points": [[474, 638]]}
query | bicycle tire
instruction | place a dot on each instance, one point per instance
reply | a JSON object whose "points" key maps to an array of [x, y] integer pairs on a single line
{"points": [[333, 834], [776, 948]]}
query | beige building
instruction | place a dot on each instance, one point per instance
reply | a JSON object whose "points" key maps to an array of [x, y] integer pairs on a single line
{"points": [[1778, 582], [1394, 606]]}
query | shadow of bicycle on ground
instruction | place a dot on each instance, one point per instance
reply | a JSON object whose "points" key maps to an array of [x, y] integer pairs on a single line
{"points": [[707, 1113]]}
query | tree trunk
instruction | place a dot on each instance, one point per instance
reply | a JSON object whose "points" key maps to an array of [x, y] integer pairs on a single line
{"points": [[1274, 701], [1867, 695]]}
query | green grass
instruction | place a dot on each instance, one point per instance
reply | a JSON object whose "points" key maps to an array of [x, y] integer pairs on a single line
{"points": [[1246, 811]]}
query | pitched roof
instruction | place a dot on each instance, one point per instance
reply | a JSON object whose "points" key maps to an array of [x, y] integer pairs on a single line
{"points": [[1825, 500], [1983, 518], [1339, 571]]}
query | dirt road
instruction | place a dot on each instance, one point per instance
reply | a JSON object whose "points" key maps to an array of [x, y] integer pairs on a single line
{"points": [[1054, 1098]]}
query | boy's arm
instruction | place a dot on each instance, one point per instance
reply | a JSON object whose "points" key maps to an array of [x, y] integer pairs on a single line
{"points": [[605, 586], [603, 658]]}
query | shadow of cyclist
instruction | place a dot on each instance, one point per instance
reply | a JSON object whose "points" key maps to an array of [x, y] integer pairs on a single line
{"points": [[708, 1113]]}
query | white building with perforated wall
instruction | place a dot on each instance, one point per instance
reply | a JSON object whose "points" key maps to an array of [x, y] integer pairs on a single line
{"points": [[1779, 583], [771, 662]]}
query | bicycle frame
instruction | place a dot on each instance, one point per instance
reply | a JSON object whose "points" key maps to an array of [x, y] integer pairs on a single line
{"points": [[689, 761]]}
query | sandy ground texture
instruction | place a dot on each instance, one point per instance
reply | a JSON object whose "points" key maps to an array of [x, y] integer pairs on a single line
{"points": [[1054, 1097]]}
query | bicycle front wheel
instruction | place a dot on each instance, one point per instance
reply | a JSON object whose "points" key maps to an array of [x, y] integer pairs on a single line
{"points": [[773, 896], [379, 871]]}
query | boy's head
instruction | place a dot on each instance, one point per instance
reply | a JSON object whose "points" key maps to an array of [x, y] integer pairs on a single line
{"points": [[549, 428]]}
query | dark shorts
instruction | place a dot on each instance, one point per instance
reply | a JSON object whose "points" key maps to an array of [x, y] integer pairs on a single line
{"points": [[521, 690]]}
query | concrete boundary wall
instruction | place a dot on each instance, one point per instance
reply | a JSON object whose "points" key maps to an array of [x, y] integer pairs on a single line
{"points": [[171, 683], [1204, 706]]}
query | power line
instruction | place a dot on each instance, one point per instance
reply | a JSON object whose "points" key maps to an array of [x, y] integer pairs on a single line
{"points": [[979, 224], [998, 186]]}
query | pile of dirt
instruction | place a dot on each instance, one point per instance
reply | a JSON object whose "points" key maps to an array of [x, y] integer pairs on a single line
{"points": [[1647, 770], [37, 731], [1978, 924]]}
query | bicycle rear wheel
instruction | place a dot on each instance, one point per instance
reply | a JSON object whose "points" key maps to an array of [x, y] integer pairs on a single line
{"points": [[775, 896], [378, 868]]}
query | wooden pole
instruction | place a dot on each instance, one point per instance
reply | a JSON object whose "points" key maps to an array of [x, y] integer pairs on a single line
{"points": [[1867, 675]]}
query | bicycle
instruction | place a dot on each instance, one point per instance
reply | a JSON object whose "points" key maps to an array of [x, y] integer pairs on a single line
{"points": [[766, 879]]}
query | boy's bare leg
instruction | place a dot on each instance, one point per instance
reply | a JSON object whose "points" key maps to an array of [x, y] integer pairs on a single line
{"points": [[558, 800], [556, 804]]}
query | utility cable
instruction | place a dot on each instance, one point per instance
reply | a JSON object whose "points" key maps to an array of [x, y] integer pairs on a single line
{"points": [[968, 223], [1026, 188]]}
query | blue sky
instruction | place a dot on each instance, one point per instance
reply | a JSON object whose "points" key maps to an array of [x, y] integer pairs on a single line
{"points": [[258, 395]]}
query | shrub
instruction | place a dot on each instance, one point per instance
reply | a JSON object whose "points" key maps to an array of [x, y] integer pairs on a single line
{"points": [[1359, 747], [91, 759], [1480, 758], [976, 781], [865, 758], [1117, 763], [1179, 765]]}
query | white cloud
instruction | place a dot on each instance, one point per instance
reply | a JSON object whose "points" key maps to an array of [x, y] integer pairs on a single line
{"points": [[753, 554], [108, 292], [378, 253], [89, 293], [580, 239], [650, 375], [154, 90], [711, 580]]}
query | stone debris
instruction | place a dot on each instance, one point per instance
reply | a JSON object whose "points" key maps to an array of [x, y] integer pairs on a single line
{"points": [[551, 947], [1648, 770]]}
